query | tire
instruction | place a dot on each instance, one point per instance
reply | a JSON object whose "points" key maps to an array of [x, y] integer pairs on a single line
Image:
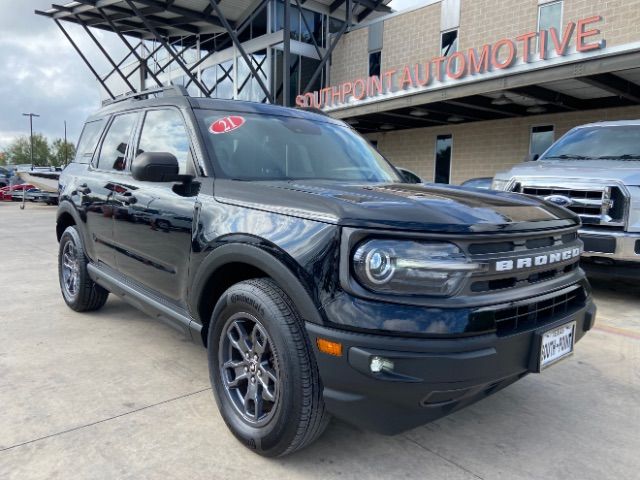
{"points": [[80, 293], [292, 413]]}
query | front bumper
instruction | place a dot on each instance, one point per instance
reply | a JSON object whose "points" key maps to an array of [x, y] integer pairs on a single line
{"points": [[614, 245], [431, 377]]}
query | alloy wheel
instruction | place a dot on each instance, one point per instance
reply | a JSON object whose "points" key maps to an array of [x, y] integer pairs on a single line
{"points": [[70, 269], [249, 368]]}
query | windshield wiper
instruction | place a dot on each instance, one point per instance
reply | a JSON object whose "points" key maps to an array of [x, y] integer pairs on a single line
{"points": [[564, 156], [626, 156]]}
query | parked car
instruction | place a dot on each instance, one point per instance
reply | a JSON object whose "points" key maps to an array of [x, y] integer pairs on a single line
{"points": [[14, 193], [483, 183], [594, 171], [5, 176], [319, 280]]}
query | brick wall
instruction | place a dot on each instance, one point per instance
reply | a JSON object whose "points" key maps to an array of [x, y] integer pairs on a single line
{"points": [[411, 38], [483, 21], [415, 36], [481, 149], [350, 58], [621, 18]]}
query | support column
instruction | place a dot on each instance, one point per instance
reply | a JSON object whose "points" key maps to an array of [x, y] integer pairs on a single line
{"points": [[286, 55]]}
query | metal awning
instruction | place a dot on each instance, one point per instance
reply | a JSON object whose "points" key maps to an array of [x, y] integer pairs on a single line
{"points": [[210, 26], [179, 18]]}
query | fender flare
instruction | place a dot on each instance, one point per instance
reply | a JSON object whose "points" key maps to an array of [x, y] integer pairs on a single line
{"points": [[67, 207], [259, 258]]}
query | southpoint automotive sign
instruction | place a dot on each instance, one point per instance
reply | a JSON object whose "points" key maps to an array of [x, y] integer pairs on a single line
{"points": [[501, 55]]}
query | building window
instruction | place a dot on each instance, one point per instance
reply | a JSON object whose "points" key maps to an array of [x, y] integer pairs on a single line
{"points": [[444, 144], [375, 59], [550, 16], [542, 137], [448, 43], [376, 34]]}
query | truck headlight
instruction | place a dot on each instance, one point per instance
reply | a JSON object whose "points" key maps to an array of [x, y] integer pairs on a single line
{"points": [[406, 267], [500, 183]]}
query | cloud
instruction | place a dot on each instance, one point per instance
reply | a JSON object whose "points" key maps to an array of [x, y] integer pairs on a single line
{"points": [[42, 73]]}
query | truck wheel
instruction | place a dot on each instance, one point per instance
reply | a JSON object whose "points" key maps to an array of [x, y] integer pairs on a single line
{"points": [[78, 290], [263, 372]]}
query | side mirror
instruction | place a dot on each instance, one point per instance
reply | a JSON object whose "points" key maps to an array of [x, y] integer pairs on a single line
{"points": [[156, 167], [409, 176], [532, 157]]}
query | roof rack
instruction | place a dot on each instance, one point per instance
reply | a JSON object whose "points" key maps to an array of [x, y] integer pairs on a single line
{"points": [[170, 90], [313, 110]]}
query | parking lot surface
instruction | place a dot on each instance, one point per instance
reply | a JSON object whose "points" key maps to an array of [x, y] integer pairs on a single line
{"points": [[115, 394]]}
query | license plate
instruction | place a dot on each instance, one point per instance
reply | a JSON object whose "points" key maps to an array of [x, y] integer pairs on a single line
{"points": [[557, 344]]}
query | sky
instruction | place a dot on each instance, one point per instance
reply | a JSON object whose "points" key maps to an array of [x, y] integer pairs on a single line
{"points": [[43, 74]]}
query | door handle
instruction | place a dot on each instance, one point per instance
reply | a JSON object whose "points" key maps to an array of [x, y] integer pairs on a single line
{"points": [[126, 198], [83, 189]]}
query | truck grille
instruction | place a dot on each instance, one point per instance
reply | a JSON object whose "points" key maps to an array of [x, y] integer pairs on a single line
{"points": [[490, 250], [603, 206], [528, 315]]}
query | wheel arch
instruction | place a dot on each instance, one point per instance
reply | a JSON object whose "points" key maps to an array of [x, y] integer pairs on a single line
{"points": [[66, 216], [233, 263]]}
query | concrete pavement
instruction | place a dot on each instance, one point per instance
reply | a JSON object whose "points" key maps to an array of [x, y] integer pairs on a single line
{"points": [[115, 394]]}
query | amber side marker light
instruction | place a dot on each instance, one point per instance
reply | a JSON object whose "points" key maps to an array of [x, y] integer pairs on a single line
{"points": [[329, 347]]}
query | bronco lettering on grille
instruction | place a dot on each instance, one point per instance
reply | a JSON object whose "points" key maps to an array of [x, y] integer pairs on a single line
{"points": [[537, 260]]}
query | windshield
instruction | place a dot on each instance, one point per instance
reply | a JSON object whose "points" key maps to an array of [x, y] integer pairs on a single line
{"points": [[249, 146], [597, 143]]}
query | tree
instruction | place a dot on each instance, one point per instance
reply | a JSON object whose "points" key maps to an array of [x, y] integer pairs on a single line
{"points": [[61, 153], [19, 152], [3, 158]]}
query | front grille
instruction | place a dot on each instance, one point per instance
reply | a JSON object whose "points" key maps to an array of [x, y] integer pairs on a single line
{"points": [[526, 316], [490, 250], [603, 206]]}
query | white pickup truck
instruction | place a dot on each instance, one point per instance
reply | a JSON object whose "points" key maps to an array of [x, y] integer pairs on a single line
{"points": [[593, 170]]}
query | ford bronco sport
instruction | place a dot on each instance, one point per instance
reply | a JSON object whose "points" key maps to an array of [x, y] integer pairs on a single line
{"points": [[319, 282]]}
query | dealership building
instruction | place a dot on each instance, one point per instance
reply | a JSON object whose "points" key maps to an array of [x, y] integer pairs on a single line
{"points": [[471, 87], [450, 89]]}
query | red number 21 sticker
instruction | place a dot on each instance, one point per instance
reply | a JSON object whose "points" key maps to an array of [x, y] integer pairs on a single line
{"points": [[226, 124]]}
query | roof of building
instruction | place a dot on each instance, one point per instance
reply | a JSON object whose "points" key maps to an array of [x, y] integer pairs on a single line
{"points": [[179, 18]]}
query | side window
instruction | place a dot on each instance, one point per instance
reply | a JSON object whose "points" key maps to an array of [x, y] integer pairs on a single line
{"points": [[164, 131], [114, 146], [88, 141]]}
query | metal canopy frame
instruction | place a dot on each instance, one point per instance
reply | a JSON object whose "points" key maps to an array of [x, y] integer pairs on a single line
{"points": [[176, 27]]}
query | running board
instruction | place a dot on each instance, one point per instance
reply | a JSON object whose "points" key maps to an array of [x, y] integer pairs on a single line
{"points": [[147, 302]]}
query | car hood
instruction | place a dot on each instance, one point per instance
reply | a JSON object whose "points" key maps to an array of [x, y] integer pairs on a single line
{"points": [[422, 207], [598, 171]]}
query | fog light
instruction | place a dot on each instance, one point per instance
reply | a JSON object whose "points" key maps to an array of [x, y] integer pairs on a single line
{"points": [[380, 363]]}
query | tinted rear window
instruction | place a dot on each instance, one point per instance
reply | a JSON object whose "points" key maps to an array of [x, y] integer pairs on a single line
{"points": [[88, 141]]}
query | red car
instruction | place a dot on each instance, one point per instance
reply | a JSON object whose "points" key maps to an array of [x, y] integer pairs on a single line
{"points": [[7, 193]]}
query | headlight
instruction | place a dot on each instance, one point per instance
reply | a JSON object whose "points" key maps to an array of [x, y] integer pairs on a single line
{"points": [[405, 267], [500, 183]]}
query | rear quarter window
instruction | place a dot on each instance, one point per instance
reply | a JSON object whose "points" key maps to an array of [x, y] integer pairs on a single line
{"points": [[89, 141]]}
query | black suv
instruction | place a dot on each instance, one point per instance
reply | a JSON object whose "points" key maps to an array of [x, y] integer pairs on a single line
{"points": [[318, 280]]}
